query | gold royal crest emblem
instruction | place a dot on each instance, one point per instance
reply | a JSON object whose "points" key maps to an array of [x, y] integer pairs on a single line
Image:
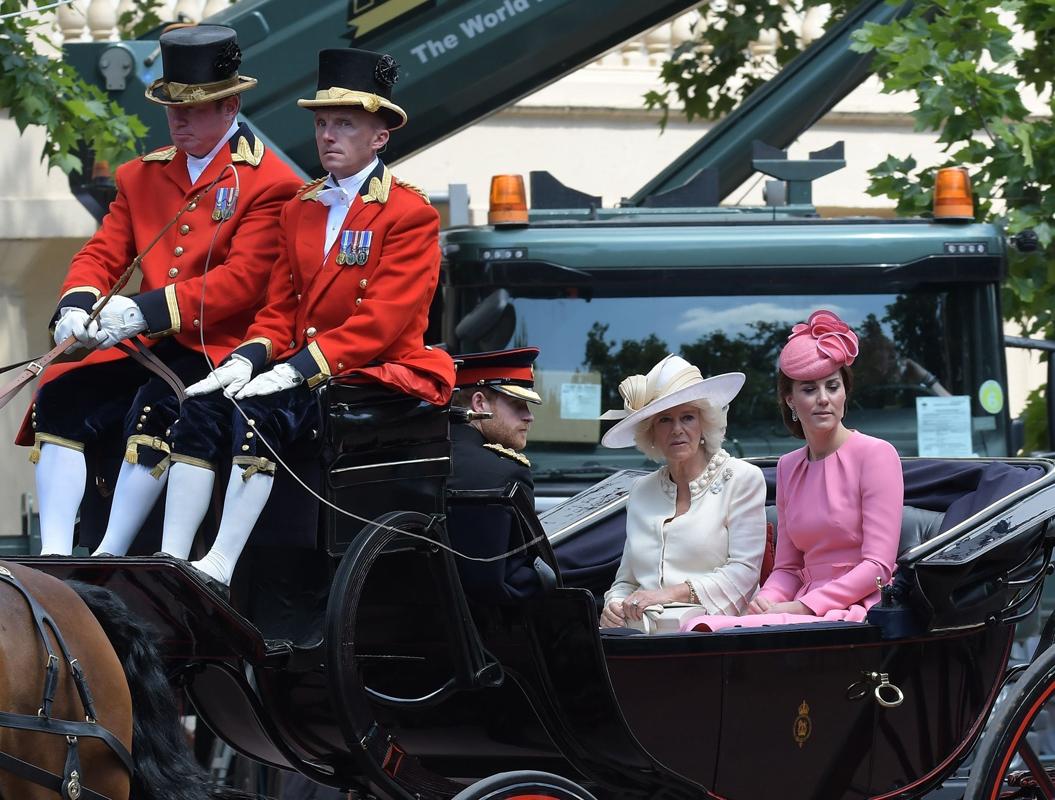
{"points": [[803, 726]]}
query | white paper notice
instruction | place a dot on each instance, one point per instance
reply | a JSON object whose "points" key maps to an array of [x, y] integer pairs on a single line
{"points": [[580, 400], [943, 426]]}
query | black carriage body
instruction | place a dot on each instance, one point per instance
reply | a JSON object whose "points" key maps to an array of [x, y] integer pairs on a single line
{"points": [[460, 689]]}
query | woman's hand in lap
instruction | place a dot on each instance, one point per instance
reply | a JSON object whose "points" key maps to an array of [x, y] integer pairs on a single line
{"points": [[760, 605], [612, 615]]}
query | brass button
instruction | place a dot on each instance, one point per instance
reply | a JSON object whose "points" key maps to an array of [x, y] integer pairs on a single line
{"points": [[197, 323], [34, 423], [146, 409], [177, 252], [168, 431], [143, 418], [340, 365], [248, 434], [184, 229], [362, 283], [173, 272], [358, 300], [310, 331], [298, 298], [192, 206], [252, 422], [245, 448], [139, 427]]}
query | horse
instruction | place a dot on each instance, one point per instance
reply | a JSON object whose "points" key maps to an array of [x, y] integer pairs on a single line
{"points": [[124, 694]]}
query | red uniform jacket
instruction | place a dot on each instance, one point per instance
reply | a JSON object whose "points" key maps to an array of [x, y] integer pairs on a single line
{"points": [[327, 319], [150, 191]]}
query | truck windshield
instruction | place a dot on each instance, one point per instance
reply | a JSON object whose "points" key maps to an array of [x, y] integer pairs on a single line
{"points": [[923, 344]]}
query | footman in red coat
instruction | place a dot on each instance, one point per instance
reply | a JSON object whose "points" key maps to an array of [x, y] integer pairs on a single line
{"points": [[349, 294], [91, 402]]}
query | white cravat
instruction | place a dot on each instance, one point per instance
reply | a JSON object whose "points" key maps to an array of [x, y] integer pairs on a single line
{"points": [[196, 166], [339, 195]]}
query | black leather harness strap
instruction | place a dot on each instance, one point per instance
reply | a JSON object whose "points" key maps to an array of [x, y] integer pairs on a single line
{"points": [[69, 784], [49, 780]]}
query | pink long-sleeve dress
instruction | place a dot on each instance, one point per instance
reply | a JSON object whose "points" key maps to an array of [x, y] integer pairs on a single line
{"points": [[839, 525]]}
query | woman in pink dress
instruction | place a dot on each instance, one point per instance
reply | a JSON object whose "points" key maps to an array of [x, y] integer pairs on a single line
{"points": [[839, 498]]}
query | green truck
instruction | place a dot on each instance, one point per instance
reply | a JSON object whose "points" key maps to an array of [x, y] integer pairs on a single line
{"points": [[605, 292]]}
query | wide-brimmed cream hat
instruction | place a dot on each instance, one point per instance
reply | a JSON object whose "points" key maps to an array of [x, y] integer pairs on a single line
{"points": [[670, 383]]}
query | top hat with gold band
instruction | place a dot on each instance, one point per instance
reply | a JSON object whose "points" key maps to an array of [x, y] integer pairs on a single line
{"points": [[358, 78], [510, 372], [199, 64]]}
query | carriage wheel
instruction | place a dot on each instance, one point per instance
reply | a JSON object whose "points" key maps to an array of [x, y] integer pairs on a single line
{"points": [[524, 785], [1016, 757]]}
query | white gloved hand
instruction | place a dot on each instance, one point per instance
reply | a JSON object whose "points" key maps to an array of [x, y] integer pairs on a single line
{"points": [[230, 376], [277, 379], [73, 321], [120, 319]]}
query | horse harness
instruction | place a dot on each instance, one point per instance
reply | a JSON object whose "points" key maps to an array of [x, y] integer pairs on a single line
{"points": [[68, 785]]}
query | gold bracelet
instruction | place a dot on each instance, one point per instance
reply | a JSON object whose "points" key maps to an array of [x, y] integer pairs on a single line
{"points": [[693, 597]]}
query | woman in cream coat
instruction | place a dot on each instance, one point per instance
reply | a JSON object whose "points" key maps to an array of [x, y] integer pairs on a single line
{"points": [[696, 527]]}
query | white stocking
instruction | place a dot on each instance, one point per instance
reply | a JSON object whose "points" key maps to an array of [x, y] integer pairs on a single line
{"points": [[241, 508], [61, 473], [134, 497], [187, 502]]}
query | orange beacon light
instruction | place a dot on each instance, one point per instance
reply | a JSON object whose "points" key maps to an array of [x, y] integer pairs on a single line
{"points": [[508, 205], [952, 195]]}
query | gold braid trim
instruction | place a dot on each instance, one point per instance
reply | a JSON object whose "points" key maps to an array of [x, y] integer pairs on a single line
{"points": [[142, 440], [416, 190], [194, 462], [508, 452], [41, 438], [253, 465]]}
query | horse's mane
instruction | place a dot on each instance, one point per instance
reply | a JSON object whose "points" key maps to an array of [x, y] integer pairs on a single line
{"points": [[165, 767]]}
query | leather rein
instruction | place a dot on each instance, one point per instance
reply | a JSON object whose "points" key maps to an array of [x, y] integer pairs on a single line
{"points": [[139, 352], [69, 785]]}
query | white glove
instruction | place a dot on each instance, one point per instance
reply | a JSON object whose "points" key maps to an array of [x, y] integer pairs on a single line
{"points": [[73, 321], [120, 319], [277, 379], [230, 376]]}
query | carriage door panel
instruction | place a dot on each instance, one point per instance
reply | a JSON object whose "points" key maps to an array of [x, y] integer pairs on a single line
{"points": [[948, 683], [788, 727], [662, 695]]}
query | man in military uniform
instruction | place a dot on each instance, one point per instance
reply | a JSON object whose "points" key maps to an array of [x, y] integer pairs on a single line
{"points": [[81, 404], [486, 451], [350, 293]]}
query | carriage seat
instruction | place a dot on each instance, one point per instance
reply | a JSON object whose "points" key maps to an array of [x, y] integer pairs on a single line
{"points": [[918, 525]]}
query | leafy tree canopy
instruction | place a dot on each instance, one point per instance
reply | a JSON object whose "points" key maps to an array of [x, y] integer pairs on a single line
{"points": [[968, 63], [38, 88]]}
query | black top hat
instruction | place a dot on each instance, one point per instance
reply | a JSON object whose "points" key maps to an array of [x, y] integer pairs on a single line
{"points": [[508, 371], [358, 78], [199, 64]]}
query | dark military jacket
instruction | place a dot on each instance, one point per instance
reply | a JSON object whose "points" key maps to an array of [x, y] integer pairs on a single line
{"points": [[480, 465]]}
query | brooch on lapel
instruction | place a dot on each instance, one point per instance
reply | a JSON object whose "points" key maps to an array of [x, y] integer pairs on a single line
{"points": [[355, 247]]}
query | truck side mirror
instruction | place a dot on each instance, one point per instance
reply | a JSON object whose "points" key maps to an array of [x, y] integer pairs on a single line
{"points": [[490, 325]]}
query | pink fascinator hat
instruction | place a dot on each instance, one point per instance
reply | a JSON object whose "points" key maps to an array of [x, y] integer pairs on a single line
{"points": [[818, 347]]}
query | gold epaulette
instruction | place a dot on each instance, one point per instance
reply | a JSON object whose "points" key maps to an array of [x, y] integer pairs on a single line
{"points": [[162, 154], [310, 189], [416, 190], [508, 452]]}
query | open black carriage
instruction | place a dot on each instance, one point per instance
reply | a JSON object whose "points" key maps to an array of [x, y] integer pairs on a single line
{"points": [[375, 659]]}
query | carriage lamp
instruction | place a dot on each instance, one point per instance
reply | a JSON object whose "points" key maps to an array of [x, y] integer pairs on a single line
{"points": [[952, 195], [508, 205]]}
